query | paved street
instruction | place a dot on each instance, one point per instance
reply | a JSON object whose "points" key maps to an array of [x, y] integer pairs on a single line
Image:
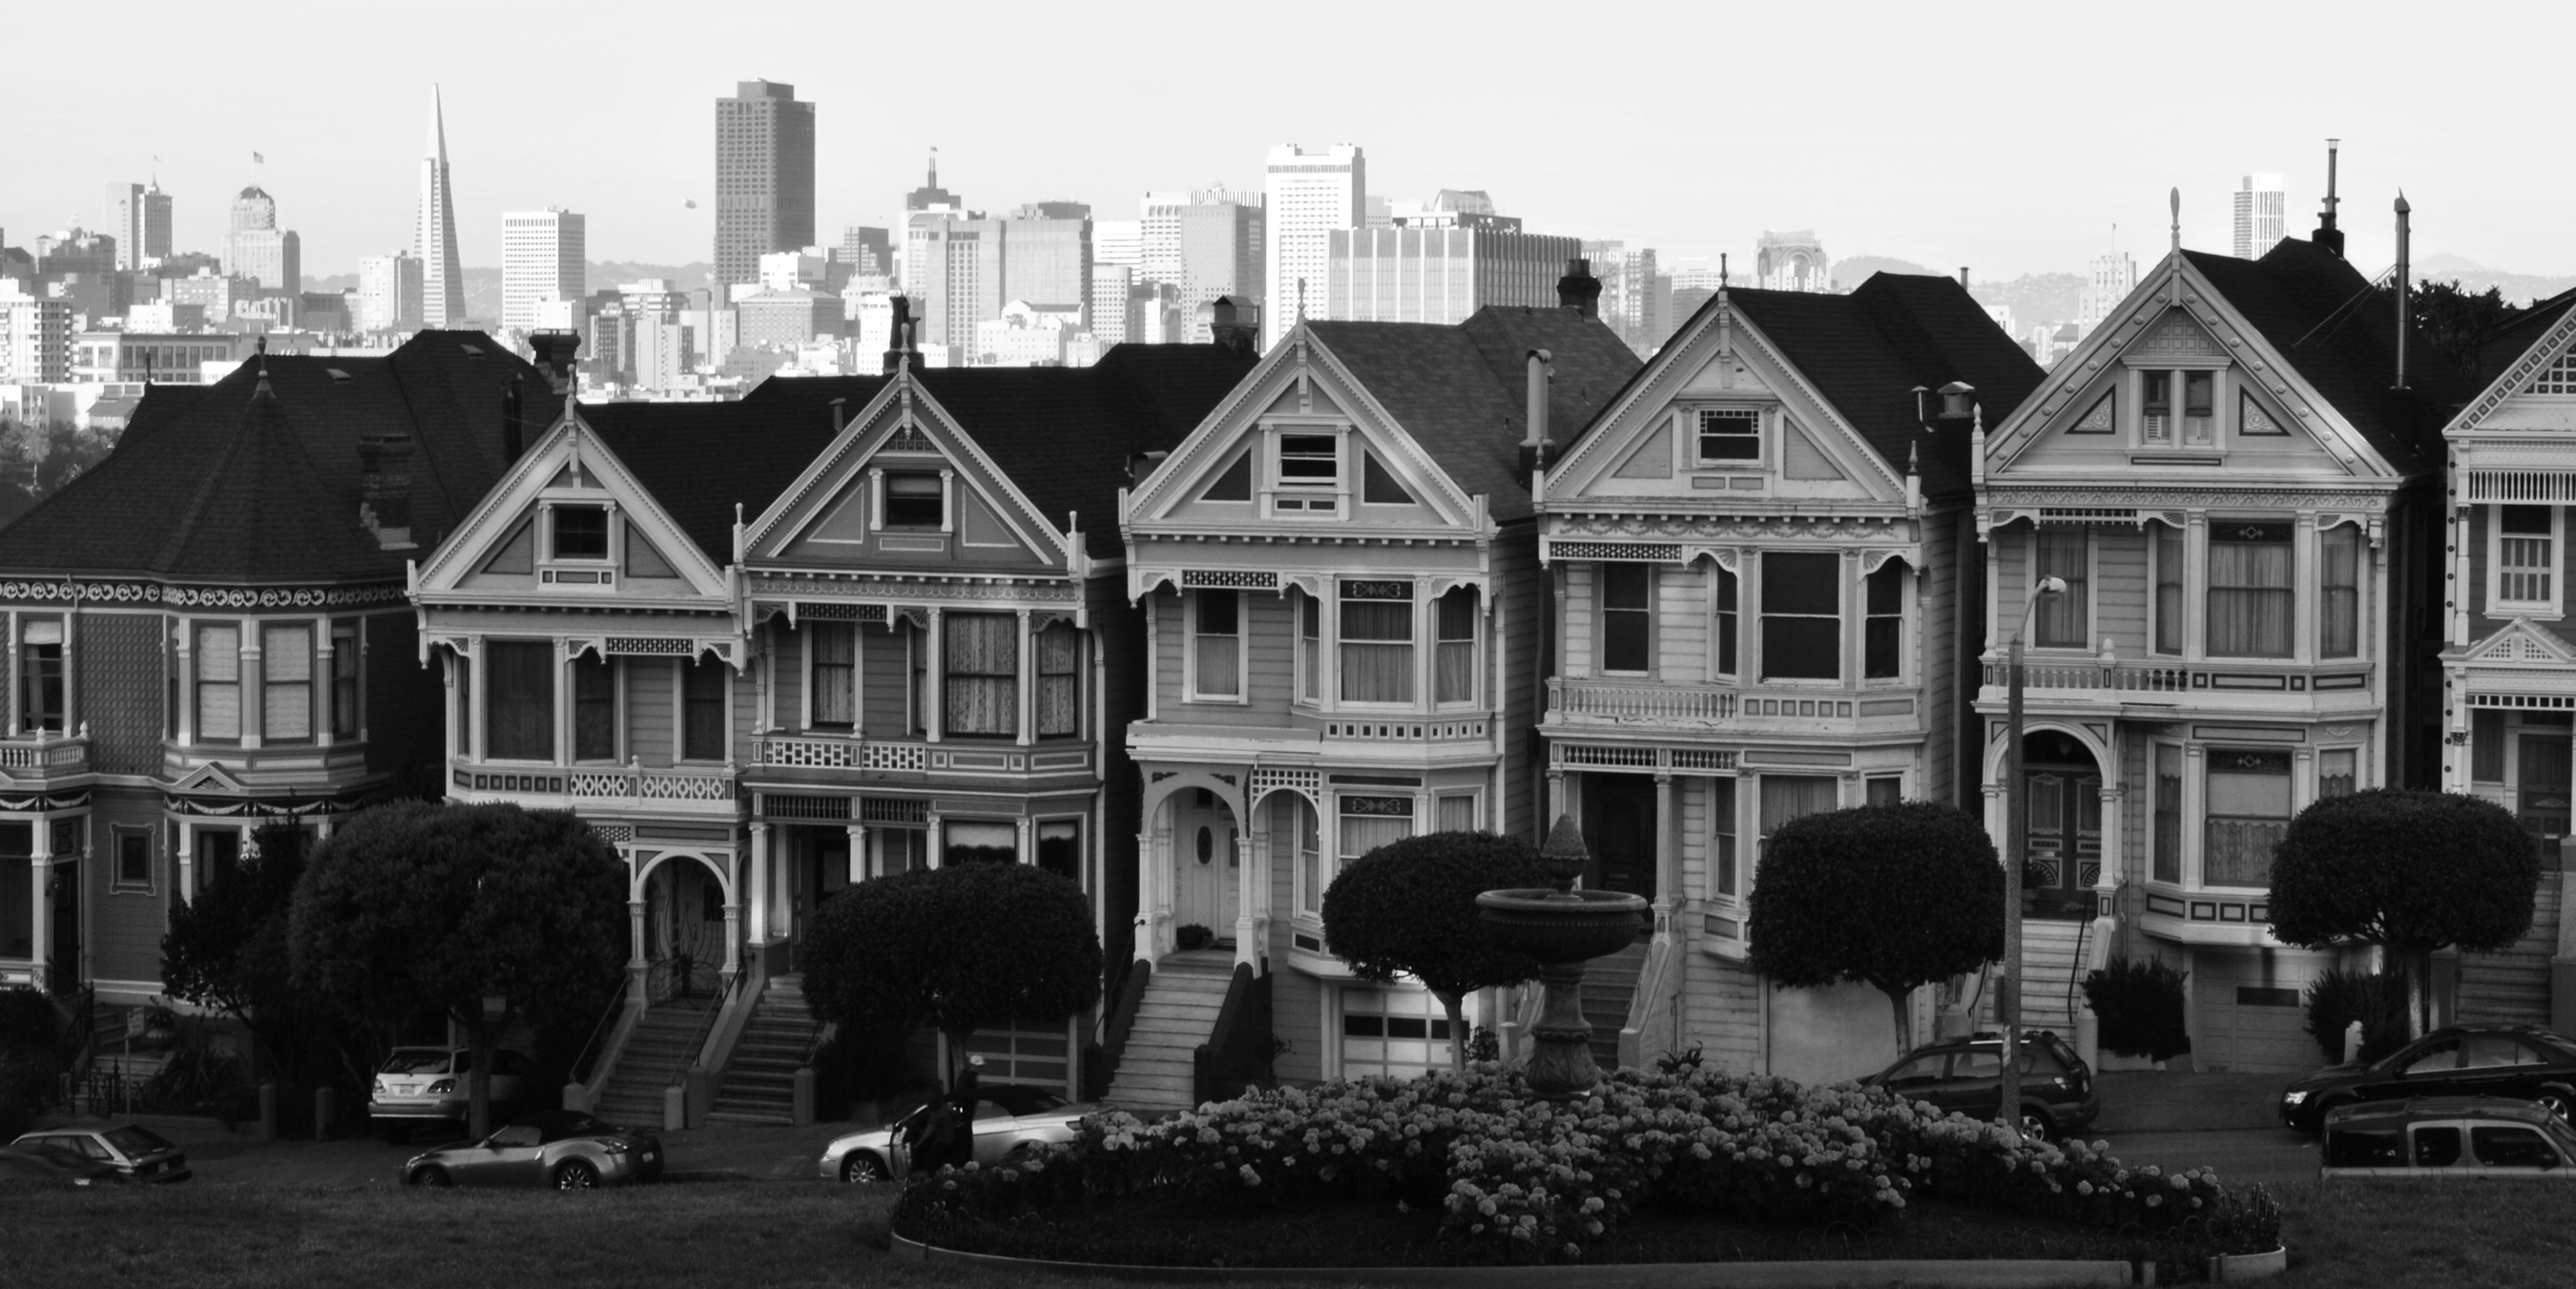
{"points": [[2221, 1121]]}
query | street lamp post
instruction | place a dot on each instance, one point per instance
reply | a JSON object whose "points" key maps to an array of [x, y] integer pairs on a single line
{"points": [[2016, 847]]}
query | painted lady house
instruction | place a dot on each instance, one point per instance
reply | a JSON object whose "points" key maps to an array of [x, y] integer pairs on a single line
{"points": [[2238, 480], [207, 632], [1338, 571], [1760, 556]]}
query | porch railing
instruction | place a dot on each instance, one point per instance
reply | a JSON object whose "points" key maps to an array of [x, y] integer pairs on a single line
{"points": [[829, 753], [2118, 677], [1628, 702], [52, 752]]}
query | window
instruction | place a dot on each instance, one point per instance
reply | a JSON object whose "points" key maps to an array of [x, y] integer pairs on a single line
{"points": [[1059, 680], [1730, 435], [581, 532], [2251, 605], [344, 679], [2199, 401], [982, 674], [916, 696], [286, 682], [519, 701], [2335, 771], [1453, 663], [1309, 463], [2168, 808], [1216, 644], [133, 859], [1883, 790], [2155, 408], [2504, 1147], [702, 709], [971, 842], [1883, 633], [2486, 746], [2526, 557], [899, 850], [1377, 642], [1794, 796], [594, 709], [218, 854], [915, 500], [1371, 822], [1310, 646], [40, 676], [219, 701], [2493, 1051], [1627, 618], [1721, 847], [833, 673], [2169, 578], [2249, 810], [1726, 637], [1802, 637], [1298, 818], [1458, 813], [2065, 619], [1060, 848]]}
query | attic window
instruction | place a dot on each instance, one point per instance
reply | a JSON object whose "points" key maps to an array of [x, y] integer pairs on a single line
{"points": [[1730, 434], [914, 501], [581, 532]]}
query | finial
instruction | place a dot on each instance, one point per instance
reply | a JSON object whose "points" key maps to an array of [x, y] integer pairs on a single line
{"points": [[1721, 271], [1913, 455], [2174, 200]]}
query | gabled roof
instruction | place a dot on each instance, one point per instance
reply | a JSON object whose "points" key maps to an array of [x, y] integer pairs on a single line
{"points": [[1460, 391], [2322, 316], [232, 483], [2497, 349], [1867, 351]]}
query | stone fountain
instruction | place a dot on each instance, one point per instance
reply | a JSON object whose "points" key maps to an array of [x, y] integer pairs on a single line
{"points": [[1562, 928]]}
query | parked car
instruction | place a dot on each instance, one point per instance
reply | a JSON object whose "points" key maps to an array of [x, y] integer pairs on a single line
{"points": [[42, 1163], [1009, 1119], [2522, 1062], [426, 1085], [564, 1149], [2447, 1137], [1966, 1075], [138, 1153]]}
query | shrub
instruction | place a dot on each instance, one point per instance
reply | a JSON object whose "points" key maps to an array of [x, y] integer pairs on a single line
{"points": [[28, 1021], [2139, 1002], [1409, 908], [865, 1065], [2340, 997], [1192, 937], [26, 1083]]}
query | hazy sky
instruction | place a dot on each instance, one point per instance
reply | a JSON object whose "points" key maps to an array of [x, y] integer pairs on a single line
{"points": [[2007, 137]]}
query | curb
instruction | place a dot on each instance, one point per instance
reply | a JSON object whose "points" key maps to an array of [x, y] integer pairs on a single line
{"points": [[1917, 1273]]}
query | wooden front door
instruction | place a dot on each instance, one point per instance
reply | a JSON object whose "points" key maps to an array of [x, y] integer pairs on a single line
{"points": [[1205, 863], [2541, 797], [1619, 825], [2065, 805]]}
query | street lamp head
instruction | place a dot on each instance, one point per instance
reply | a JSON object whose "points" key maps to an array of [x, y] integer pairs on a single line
{"points": [[2050, 586]]}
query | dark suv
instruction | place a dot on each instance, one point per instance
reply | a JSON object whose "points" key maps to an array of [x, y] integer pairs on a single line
{"points": [[2523, 1062], [1966, 1075]]}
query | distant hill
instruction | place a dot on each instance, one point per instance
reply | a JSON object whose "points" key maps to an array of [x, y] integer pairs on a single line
{"points": [[2034, 298], [1854, 270], [2518, 288], [483, 286]]}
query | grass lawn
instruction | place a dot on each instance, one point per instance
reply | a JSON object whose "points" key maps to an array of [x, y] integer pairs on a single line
{"points": [[797, 1233]]}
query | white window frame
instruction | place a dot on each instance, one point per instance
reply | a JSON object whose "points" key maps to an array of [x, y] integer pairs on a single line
{"points": [[1763, 419], [1475, 808], [616, 716], [1319, 501], [1602, 611], [2092, 587], [680, 668], [1308, 664], [2550, 607], [1413, 642], [1475, 642], [806, 652], [1190, 602], [2175, 370]]}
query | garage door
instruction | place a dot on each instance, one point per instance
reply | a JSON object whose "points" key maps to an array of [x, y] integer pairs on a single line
{"points": [[1395, 1032], [2512, 987], [2253, 1011], [1023, 1052]]}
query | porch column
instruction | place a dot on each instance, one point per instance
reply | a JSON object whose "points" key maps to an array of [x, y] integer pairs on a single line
{"points": [[40, 915], [1158, 874], [1555, 798], [184, 887], [563, 702], [934, 683], [17, 693], [1144, 947], [476, 680], [1253, 846], [1668, 867], [733, 913], [930, 844], [2107, 881], [186, 647], [1027, 686], [254, 683], [760, 910], [325, 712], [859, 854]]}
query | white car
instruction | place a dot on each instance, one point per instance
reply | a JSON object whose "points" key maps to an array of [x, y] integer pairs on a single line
{"points": [[423, 1085], [1009, 1119]]}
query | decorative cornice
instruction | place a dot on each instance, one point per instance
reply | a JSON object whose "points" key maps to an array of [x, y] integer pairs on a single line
{"points": [[912, 592], [2168, 497], [136, 591], [1735, 528]]}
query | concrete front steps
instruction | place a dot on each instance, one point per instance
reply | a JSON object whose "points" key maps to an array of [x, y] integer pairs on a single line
{"points": [[759, 1084], [1157, 1071], [665, 1040], [2051, 975], [1609, 986]]}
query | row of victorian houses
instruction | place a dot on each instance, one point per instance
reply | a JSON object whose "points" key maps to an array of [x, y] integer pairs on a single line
{"points": [[1196, 626]]}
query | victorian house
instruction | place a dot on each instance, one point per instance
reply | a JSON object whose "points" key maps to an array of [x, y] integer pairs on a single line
{"points": [[2237, 477], [208, 634], [1766, 573], [1342, 626]]}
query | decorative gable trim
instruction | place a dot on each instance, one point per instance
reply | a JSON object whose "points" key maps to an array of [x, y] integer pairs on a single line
{"points": [[2523, 641], [2516, 378]]}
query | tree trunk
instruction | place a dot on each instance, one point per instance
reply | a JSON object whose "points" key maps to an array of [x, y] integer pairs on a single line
{"points": [[1903, 1014], [2422, 965], [478, 1080], [1457, 1029]]}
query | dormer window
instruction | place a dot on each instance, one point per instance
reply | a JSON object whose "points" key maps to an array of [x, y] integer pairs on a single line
{"points": [[2194, 424], [1730, 436], [581, 532], [1308, 477], [2155, 408], [915, 500]]}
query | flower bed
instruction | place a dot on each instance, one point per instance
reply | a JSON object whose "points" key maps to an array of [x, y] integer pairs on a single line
{"points": [[1519, 1179]]}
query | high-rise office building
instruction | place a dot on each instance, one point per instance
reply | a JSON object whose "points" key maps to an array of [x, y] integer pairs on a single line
{"points": [[35, 339], [139, 219], [2262, 214], [953, 272], [1046, 257], [929, 201], [1118, 243], [2108, 279], [543, 254], [261, 251], [1308, 196], [389, 291], [442, 275], [1207, 242], [764, 177], [868, 251], [1440, 274], [1636, 299]]}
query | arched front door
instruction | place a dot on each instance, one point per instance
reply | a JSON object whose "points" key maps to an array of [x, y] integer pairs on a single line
{"points": [[2062, 793], [1207, 863], [684, 930]]}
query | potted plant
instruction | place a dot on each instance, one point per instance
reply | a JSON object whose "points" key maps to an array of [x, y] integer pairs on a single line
{"points": [[160, 1029], [1194, 936]]}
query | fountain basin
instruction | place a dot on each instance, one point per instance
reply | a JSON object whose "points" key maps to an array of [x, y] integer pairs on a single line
{"points": [[1561, 926]]}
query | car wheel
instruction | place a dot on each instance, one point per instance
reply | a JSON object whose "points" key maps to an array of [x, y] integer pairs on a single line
{"points": [[576, 1175], [862, 1167], [2036, 1124], [435, 1178], [2557, 1102]]}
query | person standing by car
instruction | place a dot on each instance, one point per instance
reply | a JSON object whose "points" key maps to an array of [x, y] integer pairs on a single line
{"points": [[967, 1091]]}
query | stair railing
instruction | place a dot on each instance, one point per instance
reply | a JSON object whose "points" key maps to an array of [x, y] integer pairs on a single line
{"points": [[581, 1061], [1237, 1053], [2075, 970], [1122, 1013]]}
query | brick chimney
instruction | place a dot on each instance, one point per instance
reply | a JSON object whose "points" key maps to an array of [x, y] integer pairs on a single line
{"points": [[384, 488], [899, 342], [1579, 290], [1235, 325]]}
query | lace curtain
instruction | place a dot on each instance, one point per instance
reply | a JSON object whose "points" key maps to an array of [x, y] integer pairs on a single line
{"points": [[1377, 651], [2250, 606], [1059, 680], [983, 673]]}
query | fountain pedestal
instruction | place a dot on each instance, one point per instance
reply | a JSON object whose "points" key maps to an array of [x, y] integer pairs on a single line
{"points": [[1562, 928]]}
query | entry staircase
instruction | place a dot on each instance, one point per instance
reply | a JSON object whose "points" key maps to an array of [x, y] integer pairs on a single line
{"points": [[1157, 1071], [1609, 986], [760, 1083], [664, 1042], [113, 1056], [2052, 974]]}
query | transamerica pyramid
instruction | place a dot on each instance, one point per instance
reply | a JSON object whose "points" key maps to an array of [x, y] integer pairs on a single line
{"points": [[442, 280]]}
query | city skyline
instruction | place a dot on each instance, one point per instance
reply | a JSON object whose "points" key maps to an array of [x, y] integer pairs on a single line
{"points": [[1691, 175]]}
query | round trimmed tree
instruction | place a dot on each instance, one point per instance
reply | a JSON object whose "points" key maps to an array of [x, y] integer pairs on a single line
{"points": [[1894, 897], [2411, 872], [958, 947], [1409, 908]]}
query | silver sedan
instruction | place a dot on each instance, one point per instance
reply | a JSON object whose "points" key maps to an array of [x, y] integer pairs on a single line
{"points": [[563, 1149], [1010, 1118]]}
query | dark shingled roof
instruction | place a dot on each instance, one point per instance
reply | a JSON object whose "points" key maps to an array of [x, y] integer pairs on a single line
{"points": [[1462, 391], [2323, 317], [1867, 351], [1062, 435], [234, 483], [2498, 350]]}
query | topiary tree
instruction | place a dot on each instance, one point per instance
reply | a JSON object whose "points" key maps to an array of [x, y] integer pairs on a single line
{"points": [[957, 947], [2411, 872], [417, 906], [1409, 908], [1893, 897]]}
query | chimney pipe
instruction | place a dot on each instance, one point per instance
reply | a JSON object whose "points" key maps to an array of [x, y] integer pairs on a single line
{"points": [[2403, 235], [514, 435], [1578, 289], [1535, 444], [899, 336], [839, 406], [1963, 277], [2328, 236]]}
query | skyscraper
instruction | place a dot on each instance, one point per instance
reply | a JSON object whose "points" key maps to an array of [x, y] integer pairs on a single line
{"points": [[1309, 196], [442, 277], [920, 206], [764, 177], [2262, 214], [2108, 279], [1046, 256], [389, 292], [139, 219], [258, 249], [542, 253]]}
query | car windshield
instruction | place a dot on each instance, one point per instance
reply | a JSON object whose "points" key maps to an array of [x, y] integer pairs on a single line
{"points": [[416, 1060], [131, 1140], [576, 1125]]}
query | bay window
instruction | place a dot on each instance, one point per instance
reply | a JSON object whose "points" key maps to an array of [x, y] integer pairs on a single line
{"points": [[1722, 865], [1454, 636], [1802, 626], [2168, 813], [2339, 592], [286, 682], [1216, 644], [1457, 813], [703, 682], [1060, 848], [344, 679], [2336, 771], [519, 700], [982, 674], [1882, 644], [1371, 822], [2064, 620], [1059, 704], [1795, 796], [1377, 641], [1627, 618], [1310, 647], [2252, 604], [219, 696], [2249, 810]]}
